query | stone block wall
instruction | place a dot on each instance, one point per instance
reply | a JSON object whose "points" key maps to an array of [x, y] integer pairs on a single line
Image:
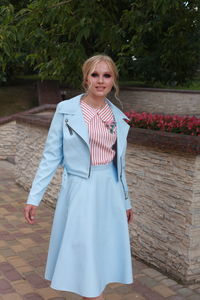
{"points": [[163, 174], [48, 91], [164, 231], [160, 101], [152, 100], [8, 140], [30, 145], [8, 133]]}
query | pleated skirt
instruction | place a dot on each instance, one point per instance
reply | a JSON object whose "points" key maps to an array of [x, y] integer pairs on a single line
{"points": [[90, 244]]}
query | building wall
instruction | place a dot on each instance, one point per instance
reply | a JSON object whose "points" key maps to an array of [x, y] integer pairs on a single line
{"points": [[160, 101], [166, 201], [8, 140], [8, 131], [30, 145]]}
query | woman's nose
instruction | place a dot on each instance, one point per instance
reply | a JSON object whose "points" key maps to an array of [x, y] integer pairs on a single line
{"points": [[100, 79]]}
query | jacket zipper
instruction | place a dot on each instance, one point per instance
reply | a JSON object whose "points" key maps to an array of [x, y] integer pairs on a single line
{"points": [[90, 167], [71, 132], [69, 128], [123, 187], [122, 180]]}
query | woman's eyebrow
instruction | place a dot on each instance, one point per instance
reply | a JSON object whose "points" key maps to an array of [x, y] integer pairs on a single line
{"points": [[96, 72]]}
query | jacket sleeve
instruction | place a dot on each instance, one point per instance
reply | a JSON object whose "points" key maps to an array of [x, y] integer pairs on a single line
{"points": [[52, 157], [124, 182]]}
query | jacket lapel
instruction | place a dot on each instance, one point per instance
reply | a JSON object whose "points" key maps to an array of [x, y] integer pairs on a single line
{"points": [[122, 127], [74, 118]]}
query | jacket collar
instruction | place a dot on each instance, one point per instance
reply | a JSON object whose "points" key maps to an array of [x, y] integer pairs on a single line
{"points": [[105, 113], [70, 106], [74, 117]]}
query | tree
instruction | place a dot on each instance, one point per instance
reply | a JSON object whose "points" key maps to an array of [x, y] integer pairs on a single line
{"points": [[12, 54], [164, 38], [154, 40], [62, 34]]}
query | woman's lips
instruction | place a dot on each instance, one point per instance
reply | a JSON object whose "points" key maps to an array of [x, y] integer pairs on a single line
{"points": [[100, 88]]}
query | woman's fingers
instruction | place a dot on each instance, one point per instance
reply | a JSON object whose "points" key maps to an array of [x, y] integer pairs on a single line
{"points": [[129, 213], [29, 213], [131, 216]]}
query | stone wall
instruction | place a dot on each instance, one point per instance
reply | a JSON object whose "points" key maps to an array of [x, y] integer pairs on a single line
{"points": [[8, 134], [30, 145], [163, 174], [8, 140], [48, 91], [152, 100], [161, 101], [163, 233]]}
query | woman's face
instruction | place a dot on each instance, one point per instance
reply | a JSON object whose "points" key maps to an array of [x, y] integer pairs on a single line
{"points": [[100, 81]]}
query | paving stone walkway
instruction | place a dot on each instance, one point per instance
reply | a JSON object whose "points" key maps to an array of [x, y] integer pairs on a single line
{"points": [[23, 251]]}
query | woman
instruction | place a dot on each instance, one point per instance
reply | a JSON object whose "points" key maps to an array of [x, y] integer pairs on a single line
{"points": [[89, 245]]}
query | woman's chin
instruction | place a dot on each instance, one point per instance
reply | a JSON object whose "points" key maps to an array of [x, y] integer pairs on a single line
{"points": [[102, 93]]}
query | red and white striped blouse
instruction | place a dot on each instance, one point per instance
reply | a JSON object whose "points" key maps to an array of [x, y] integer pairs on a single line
{"points": [[102, 132]]}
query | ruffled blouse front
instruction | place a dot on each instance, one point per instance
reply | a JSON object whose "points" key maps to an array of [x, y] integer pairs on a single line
{"points": [[102, 132]]}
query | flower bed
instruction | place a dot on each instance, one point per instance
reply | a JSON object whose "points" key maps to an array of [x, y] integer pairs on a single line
{"points": [[189, 125]]}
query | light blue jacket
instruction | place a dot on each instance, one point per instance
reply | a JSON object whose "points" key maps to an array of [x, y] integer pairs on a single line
{"points": [[67, 144]]}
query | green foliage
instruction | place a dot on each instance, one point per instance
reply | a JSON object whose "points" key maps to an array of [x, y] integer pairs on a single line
{"points": [[54, 37], [12, 54], [164, 39], [60, 35], [7, 37]]}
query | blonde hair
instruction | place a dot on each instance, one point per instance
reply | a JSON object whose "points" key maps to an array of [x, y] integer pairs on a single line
{"points": [[89, 66]]}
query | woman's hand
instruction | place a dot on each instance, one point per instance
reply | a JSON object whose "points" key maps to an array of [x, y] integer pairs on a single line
{"points": [[129, 214], [29, 213]]}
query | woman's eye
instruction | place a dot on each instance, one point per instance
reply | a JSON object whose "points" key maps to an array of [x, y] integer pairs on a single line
{"points": [[94, 74]]}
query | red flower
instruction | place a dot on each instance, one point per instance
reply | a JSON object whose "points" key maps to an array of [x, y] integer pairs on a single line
{"points": [[171, 123]]}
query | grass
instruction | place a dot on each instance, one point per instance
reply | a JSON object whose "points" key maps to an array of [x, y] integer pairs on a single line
{"points": [[17, 97]]}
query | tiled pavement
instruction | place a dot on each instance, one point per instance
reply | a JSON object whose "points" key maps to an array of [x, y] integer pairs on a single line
{"points": [[23, 250]]}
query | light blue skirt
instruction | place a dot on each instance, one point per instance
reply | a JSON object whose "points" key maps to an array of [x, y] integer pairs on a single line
{"points": [[90, 244]]}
